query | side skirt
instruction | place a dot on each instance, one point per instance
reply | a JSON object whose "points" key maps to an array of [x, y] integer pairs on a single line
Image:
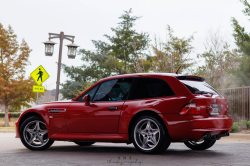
{"points": [[93, 137]]}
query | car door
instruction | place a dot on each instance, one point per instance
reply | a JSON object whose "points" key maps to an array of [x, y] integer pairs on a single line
{"points": [[103, 113]]}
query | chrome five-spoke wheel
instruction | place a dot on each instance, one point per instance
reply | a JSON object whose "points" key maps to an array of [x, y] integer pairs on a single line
{"points": [[149, 135], [34, 134]]}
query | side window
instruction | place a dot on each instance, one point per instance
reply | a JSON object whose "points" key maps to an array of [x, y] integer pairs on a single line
{"points": [[150, 88], [91, 92], [114, 90]]}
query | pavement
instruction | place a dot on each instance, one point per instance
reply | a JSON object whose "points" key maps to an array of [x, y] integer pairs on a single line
{"points": [[232, 150]]}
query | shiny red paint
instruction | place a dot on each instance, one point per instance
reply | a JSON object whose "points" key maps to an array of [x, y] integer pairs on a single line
{"points": [[91, 137], [87, 100], [95, 118], [94, 122]]}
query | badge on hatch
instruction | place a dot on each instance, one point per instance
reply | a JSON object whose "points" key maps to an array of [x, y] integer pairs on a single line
{"points": [[214, 101]]}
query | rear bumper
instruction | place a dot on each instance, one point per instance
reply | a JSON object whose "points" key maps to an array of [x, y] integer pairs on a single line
{"points": [[193, 127]]}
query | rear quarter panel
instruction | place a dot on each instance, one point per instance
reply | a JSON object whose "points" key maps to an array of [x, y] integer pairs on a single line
{"points": [[160, 105]]}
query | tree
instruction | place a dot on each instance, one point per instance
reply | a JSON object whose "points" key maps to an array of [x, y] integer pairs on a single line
{"points": [[219, 61], [72, 89], [15, 90], [122, 54], [167, 57], [242, 40]]}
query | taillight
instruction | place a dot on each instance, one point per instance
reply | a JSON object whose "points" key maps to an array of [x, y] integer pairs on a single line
{"points": [[190, 109]]}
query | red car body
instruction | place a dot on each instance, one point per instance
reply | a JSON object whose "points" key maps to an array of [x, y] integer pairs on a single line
{"points": [[76, 121]]}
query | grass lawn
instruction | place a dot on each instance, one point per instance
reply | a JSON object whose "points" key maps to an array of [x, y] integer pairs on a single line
{"points": [[12, 122]]}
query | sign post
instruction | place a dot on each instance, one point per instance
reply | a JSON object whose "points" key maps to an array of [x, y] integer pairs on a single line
{"points": [[37, 98], [39, 75]]}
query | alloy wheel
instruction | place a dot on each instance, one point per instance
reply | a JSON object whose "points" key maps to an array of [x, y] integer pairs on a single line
{"points": [[147, 134], [35, 134]]}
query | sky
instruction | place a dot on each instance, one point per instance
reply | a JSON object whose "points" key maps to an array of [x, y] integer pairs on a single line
{"points": [[90, 20]]}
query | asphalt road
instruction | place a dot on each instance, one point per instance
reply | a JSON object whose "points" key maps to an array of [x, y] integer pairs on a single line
{"points": [[224, 152]]}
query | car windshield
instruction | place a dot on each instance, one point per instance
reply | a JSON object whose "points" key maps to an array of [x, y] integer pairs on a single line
{"points": [[200, 87]]}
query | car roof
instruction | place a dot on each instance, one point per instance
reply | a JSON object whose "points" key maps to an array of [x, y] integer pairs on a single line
{"points": [[178, 76], [142, 75], [146, 74]]}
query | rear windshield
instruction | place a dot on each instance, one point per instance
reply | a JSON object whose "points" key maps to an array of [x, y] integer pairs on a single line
{"points": [[200, 87]]}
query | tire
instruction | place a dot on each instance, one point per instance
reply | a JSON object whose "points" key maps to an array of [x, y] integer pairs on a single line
{"points": [[149, 136], [84, 143], [34, 134], [200, 146]]}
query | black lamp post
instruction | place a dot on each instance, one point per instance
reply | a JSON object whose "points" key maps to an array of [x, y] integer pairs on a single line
{"points": [[49, 48]]}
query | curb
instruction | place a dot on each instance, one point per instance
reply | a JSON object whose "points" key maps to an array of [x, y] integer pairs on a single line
{"points": [[7, 131], [239, 135], [7, 128]]}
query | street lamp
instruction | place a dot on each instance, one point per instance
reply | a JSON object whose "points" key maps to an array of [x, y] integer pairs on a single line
{"points": [[72, 50], [49, 48]]}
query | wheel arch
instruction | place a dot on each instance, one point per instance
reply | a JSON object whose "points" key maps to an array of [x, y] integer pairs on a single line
{"points": [[27, 115], [145, 112]]}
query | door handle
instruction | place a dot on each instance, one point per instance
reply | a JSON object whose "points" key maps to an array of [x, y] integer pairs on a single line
{"points": [[112, 108]]}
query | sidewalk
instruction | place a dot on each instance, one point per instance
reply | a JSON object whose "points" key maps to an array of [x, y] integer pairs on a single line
{"points": [[235, 138]]}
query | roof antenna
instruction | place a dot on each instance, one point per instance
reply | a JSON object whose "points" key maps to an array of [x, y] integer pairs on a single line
{"points": [[182, 63]]}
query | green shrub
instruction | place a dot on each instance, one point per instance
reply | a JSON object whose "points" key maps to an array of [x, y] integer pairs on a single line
{"points": [[15, 115], [12, 115], [235, 128], [243, 124], [248, 124]]}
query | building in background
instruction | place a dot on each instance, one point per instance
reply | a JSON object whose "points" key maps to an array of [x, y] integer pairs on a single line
{"points": [[1, 108], [49, 95]]}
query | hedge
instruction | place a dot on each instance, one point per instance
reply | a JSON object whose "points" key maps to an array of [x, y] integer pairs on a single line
{"points": [[242, 125], [12, 115]]}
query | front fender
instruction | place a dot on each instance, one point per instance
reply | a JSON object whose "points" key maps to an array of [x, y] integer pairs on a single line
{"points": [[28, 113]]}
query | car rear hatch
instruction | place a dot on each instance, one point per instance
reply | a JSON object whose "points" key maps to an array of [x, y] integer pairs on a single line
{"points": [[207, 100]]}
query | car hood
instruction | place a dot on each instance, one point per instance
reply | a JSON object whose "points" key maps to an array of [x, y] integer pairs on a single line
{"points": [[63, 101], [53, 104]]}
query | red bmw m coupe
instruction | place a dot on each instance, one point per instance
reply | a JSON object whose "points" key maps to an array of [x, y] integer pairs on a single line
{"points": [[150, 110]]}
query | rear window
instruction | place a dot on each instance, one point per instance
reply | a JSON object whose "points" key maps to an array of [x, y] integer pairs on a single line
{"points": [[200, 87]]}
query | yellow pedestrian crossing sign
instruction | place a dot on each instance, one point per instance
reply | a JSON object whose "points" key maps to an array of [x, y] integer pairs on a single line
{"points": [[38, 88], [39, 75]]}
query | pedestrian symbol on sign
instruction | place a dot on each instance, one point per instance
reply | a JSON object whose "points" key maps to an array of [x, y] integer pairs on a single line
{"points": [[40, 75]]}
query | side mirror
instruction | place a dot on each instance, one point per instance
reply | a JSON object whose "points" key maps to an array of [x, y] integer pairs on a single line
{"points": [[86, 98]]}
